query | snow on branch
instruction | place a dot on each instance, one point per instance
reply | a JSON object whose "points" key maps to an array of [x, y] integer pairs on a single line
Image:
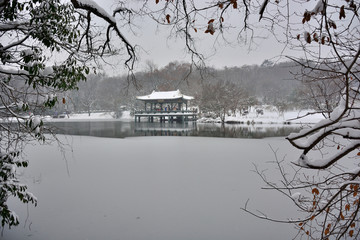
{"points": [[323, 163], [343, 122], [348, 129], [93, 7], [319, 8], [335, 117]]}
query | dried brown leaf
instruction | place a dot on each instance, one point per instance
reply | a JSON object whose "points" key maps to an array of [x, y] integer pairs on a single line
{"points": [[347, 207], [315, 191]]}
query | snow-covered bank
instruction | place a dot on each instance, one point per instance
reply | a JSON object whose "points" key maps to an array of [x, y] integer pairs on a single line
{"points": [[270, 117], [93, 116]]}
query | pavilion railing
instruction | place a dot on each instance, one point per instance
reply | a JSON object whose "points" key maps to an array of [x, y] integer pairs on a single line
{"points": [[165, 112]]}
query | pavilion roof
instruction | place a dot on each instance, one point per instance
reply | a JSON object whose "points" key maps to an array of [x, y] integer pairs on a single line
{"points": [[165, 95]]}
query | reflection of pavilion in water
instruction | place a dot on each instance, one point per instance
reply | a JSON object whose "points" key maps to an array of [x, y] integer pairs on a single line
{"points": [[165, 129]]}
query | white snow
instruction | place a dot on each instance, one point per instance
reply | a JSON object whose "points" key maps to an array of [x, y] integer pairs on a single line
{"points": [[296, 196], [27, 52], [36, 121], [84, 116], [37, 130], [319, 8], [354, 171], [126, 116], [302, 160], [51, 97], [336, 113], [271, 117], [47, 71], [305, 161], [94, 5], [166, 95], [20, 104]]}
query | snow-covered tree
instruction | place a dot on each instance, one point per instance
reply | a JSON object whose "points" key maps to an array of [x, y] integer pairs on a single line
{"points": [[88, 94], [332, 44], [47, 47], [222, 98], [324, 35]]}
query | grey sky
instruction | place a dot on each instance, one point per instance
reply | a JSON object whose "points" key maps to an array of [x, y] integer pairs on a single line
{"points": [[156, 46]]}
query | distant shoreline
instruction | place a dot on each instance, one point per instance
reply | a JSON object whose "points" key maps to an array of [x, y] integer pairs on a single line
{"points": [[269, 117]]}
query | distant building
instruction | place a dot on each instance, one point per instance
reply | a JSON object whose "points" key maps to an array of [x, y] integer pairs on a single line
{"points": [[166, 106]]}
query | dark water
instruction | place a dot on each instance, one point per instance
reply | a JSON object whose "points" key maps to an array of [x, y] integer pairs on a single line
{"points": [[119, 129]]}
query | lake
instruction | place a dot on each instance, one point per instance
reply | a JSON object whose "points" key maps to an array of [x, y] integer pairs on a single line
{"points": [[120, 129], [151, 187]]}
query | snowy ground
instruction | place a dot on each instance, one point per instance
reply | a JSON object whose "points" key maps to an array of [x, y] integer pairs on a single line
{"points": [[93, 116], [269, 117], [152, 188]]}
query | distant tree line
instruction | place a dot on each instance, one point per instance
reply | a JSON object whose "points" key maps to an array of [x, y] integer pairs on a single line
{"points": [[217, 91]]}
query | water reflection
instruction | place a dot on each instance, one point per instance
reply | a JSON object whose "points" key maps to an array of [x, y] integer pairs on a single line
{"points": [[165, 129], [112, 129], [119, 129], [244, 131]]}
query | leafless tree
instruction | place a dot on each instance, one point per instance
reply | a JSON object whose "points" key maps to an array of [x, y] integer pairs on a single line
{"points": [[221, 98], [88, 92], [324, 37]]}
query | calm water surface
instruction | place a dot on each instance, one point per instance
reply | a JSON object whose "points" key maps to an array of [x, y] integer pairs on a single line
{"points": [[119, 129], [115, 186]]}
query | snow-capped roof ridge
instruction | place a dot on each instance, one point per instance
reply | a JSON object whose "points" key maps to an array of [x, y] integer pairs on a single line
{"points": [[157, 95]]}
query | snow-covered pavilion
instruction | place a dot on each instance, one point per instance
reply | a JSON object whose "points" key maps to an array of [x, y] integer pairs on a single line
{"points": [[167, 106]]}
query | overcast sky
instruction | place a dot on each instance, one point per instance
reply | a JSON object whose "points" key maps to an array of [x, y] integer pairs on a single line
{"points": [[154, 45]]}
